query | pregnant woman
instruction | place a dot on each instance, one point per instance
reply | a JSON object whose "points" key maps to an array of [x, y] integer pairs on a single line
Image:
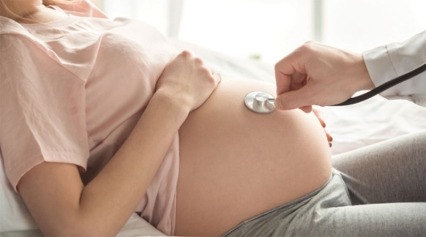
{"points": [[103, 118]]}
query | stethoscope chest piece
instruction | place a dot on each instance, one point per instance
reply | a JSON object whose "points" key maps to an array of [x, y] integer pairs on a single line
{"points": [[260, 102]]}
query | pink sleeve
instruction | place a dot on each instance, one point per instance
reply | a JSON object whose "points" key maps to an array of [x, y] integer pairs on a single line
{"points": [[42, 109]]}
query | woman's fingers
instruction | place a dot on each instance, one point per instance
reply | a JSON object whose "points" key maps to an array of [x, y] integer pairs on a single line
{"points": [[188, 80]]}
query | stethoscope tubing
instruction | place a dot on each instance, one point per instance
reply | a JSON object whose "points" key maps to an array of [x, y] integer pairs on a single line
{"points": [[383, 87]]}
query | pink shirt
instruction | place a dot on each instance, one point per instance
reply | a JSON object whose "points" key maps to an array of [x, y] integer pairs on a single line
{"points": [[71, 91]]}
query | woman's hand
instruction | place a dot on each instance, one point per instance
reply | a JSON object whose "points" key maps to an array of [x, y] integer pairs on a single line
{"points": [[316, 74], [188, 81]]}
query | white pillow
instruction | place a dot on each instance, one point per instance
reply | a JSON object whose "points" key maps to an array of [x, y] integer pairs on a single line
{"points": [[14, 216]]}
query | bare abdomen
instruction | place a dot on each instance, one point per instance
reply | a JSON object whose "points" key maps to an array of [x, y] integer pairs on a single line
{"points": [[235, 164]]}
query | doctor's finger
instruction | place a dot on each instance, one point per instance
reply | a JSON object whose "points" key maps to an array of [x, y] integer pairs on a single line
{"points": [[295, 99], [284, 71], [289, 72], [283, 82], [287, 83]]}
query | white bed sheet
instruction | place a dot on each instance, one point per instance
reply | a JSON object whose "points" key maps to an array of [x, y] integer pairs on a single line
{"points": [[372, 121], [352, 127]]}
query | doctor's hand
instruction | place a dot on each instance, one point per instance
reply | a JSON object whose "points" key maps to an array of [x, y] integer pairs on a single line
{"points": [[320, 118], [188, 81], [316, 74]]}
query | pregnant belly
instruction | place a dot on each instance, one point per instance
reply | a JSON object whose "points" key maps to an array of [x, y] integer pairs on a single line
{"points": [[235, 164]]}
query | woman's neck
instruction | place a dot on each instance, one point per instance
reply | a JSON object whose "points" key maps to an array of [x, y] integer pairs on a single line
{"points": [[42, 14], [30, 13]]}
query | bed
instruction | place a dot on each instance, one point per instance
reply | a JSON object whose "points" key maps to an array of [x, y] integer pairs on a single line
{"points": [[369, 122]]}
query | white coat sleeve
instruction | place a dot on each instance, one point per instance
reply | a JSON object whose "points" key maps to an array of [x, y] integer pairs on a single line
{"points": [[390, 61]]}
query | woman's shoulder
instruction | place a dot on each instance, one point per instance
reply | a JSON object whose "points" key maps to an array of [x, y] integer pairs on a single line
{"points": [[15, 39], [8, 26]]}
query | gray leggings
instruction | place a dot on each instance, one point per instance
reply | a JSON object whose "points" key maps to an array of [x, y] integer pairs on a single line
{"points": [[387, 188], [379, 190]]}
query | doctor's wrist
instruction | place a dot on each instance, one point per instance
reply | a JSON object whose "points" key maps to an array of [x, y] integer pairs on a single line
{"points": [[361, 77]]}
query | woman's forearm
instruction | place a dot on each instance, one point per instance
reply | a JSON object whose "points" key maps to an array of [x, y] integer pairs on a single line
{"points": [[113, 195]]}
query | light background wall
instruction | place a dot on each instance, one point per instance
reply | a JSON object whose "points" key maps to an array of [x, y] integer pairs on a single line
{"points": [[269, 29]]}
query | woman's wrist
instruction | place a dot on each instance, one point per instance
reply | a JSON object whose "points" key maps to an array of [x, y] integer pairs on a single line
{"points": [[171, 102]]}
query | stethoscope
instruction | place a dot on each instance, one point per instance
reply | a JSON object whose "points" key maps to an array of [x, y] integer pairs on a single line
{"points": [[263, 103]]}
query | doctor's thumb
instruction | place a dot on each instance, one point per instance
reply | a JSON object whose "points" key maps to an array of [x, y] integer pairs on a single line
{"points": [[292, 100]]}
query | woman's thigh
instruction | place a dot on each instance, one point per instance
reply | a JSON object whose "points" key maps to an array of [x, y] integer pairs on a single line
{"points": [[389, 219], [390, 171], [329, 212]]}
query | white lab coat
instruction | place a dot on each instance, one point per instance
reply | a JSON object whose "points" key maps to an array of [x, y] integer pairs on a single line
{"points": [[390, 61]]}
